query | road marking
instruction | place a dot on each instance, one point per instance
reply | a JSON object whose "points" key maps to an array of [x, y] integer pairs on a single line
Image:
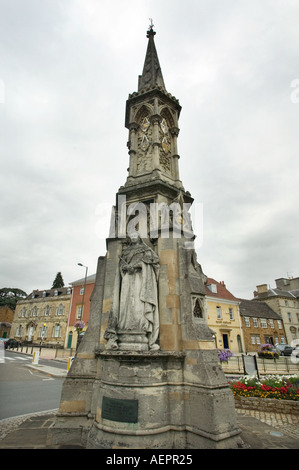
{"points": [[23, 358]]}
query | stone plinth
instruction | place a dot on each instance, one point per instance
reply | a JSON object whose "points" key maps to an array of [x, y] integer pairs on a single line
{"points": [[144, 402]]}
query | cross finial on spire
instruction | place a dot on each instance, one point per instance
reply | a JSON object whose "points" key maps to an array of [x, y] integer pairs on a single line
{"points": [[150, 31]]}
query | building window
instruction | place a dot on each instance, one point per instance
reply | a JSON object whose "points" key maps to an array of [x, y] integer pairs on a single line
{"points": [[276, 340], [231, 313], [82, 291], [23, 312], [271, 322], [286, 303], [43, 331], [47, 311], [263, 323], [56, 331], [298, 317], [279, 324], [55, 292], [289, 317], [60, 310], [79, 312], [34, 313], [255, 339], [19, 330], [294, 336], [213, 288], [218, 310], [255, 322], [247, 321]]}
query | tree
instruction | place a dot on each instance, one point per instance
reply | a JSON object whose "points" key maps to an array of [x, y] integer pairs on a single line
{"points": [[58, 281], [10, 296]]}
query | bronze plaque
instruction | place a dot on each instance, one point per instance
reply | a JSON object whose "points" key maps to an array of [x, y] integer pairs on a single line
{"points": [[124, 411]]}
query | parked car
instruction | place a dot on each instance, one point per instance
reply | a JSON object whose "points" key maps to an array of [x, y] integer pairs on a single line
{"points": [[296, 351], [11, 343], [284, 349], [3, 341]]}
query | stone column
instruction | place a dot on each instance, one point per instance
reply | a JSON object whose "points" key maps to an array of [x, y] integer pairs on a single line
{"points": [[132, 144], [175, 157]]}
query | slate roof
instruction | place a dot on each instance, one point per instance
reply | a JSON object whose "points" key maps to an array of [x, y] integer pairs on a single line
{"points": [[39, 294], [275, 292], [295, 292], [255, 308], [89, 280]]}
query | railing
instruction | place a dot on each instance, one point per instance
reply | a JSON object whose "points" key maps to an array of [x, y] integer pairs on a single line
{"points": [[45, 351], [282, 365]]}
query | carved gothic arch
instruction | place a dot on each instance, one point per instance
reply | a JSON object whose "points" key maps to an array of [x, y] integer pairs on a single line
{"points": [[166, 114], [143, 112]]}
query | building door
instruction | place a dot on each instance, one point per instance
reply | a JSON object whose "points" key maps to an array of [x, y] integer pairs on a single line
{"points": [[225, 341], [239, 343], [30, 332], [269, 339], [70, 339]]}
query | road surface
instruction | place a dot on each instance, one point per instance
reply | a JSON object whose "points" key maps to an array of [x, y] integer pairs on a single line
{"points": [[23, 390]]}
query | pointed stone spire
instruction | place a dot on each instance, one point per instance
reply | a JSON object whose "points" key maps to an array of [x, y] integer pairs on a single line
{"points": [[152, 74]]}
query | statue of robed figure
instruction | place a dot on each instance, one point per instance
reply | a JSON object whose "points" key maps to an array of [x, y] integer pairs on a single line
{"points": [[134, 319]]}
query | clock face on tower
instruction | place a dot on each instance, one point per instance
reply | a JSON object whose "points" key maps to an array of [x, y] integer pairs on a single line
{"points": [[165, 142], [164, 126], [165, 145]]}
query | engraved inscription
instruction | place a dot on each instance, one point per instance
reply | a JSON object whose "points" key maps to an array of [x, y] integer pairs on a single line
{"points": [[124, 411]]}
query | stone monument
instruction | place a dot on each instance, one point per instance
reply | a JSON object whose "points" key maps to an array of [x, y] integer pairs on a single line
{"points": [[147, 374]]}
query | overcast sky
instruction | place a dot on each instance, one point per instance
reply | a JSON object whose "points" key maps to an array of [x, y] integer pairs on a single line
{"points": [[66, 69]]}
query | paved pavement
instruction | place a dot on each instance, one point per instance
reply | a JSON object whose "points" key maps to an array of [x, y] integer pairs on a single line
{"points": [[260, 430]]}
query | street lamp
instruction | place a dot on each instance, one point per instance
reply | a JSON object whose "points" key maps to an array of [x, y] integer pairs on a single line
{"points": [[86, 269]]}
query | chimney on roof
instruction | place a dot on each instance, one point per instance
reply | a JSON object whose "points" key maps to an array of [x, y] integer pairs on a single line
{"points": [[222, 283], [262, 288]]}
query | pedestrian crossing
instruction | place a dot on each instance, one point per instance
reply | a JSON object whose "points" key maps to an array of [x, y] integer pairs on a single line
{"points": [[18, 358], [7, 359]]}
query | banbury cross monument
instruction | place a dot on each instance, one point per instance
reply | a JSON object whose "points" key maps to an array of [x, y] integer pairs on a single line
{"points": [[147, 374]]}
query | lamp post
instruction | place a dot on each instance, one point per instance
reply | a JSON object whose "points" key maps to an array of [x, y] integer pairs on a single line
{"points": [[86, 269]]}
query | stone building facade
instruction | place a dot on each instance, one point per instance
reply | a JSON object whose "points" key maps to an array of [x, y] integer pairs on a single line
{"points": [[286, 304], [6, 318], [261, 325], [43, 317]]}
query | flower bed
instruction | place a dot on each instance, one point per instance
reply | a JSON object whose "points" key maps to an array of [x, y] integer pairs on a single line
{"points": [[268, 352], [278, 387]]}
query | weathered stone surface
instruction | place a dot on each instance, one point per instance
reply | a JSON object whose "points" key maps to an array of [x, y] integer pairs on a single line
{"points": [[176, 396]]}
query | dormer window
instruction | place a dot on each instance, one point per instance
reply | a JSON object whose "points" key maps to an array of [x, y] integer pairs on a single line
{"points": [[44, 293], [213, 288], [55, 292]]}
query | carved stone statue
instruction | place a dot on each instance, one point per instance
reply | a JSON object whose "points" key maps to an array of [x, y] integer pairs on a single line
{"points": [[134, 318]]}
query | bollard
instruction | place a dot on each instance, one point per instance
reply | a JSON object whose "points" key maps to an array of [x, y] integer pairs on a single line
{"points": [[69, 362], [35, 357]]}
